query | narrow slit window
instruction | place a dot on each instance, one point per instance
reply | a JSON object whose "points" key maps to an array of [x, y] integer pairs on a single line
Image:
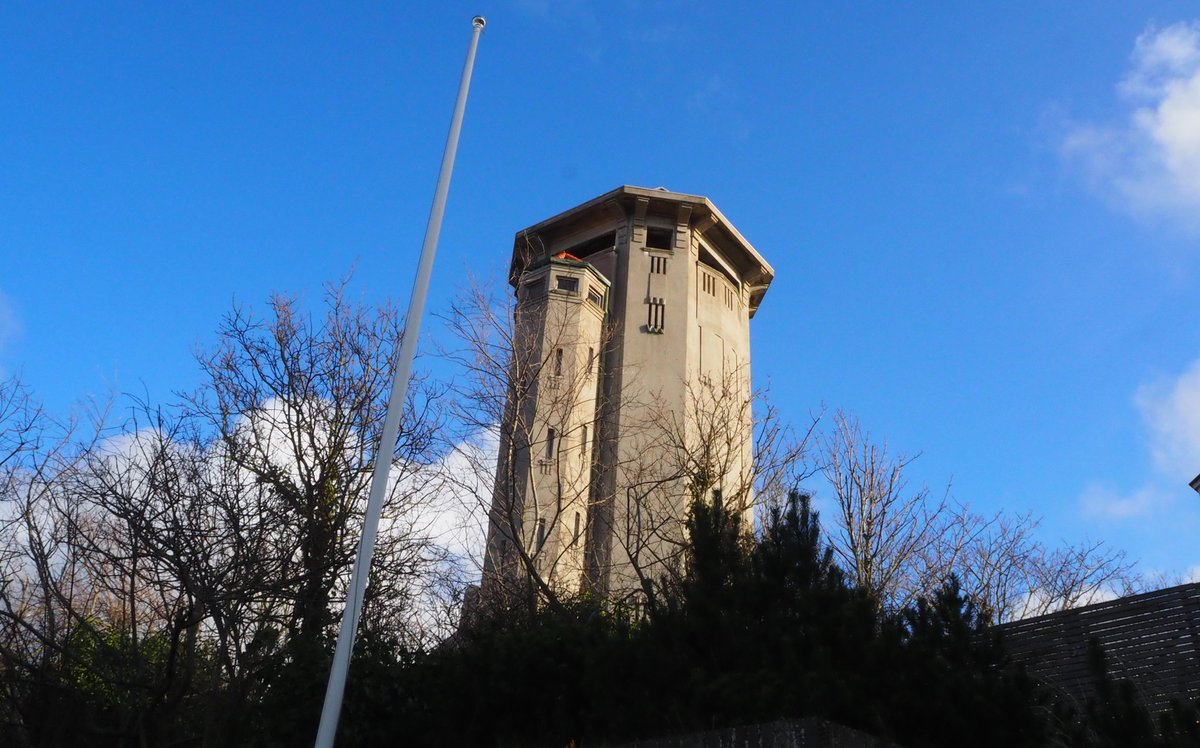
{"points": [[551, 434], [656, 312], [591, 361], [541, 533], [583, 443], [577, 523], [558, 362]]}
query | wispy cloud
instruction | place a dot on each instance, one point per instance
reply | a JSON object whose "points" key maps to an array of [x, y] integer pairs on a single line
{"points": [[660, 32], [1106, 503], [713, 90], [578, 16], [561, 11], [1170, 408], [10, 325], [1148, 161]]}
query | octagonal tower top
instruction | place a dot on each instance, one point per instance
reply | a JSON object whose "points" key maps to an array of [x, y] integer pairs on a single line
{"points": [[591, 227]]}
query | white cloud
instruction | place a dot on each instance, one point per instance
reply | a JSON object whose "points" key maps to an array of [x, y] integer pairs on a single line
{"points": [[1170, 408], [1160, 57], [1149, 164], [1106, 503], [445, 500], [457, 518], [1039, 602]]}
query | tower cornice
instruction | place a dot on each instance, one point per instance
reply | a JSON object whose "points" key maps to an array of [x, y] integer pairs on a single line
{"points": [[542, 238]]}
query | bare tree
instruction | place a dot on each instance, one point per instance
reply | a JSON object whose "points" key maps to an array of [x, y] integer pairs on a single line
{"points": [[895, 539], [722, 444], [182, 540], [183, 560], [995, 565], [20, 424], [899, 542], [530, 374], [48, 602], [884, 528], [297, 405], [1076, 574]]}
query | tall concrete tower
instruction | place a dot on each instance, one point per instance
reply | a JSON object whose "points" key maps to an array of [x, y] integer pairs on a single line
{"points": [[629, 390]]}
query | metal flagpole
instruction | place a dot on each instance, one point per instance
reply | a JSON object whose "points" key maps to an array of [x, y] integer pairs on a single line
{"points": [[391, 424]]}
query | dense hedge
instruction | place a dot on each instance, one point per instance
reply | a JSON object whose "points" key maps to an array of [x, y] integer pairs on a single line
{"points": [[756, 629]]}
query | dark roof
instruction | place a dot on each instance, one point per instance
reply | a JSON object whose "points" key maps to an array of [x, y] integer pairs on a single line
{"points": [[1151, 639]]}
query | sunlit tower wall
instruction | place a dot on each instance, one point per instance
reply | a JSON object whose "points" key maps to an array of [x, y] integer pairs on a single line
{"points": [[631, 336]]}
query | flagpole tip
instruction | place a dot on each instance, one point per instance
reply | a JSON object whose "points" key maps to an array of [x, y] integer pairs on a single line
{"points": [[479, 22]]}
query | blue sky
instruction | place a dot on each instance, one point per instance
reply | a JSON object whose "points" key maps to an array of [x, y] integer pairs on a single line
{"points": [[984, 219]]}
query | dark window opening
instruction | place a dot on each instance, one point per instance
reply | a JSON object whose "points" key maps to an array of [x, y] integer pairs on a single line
{"points": [[710, 262], [591, 359], [533, 287], [658, 265], [659, 238], [596, 297], [567, 283], [600, 243], [550, 436], [558, 361], [541, 533], [576, 534]]}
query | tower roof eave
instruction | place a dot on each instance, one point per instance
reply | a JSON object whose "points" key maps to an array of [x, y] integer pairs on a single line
{"points": [[754, 268]]}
